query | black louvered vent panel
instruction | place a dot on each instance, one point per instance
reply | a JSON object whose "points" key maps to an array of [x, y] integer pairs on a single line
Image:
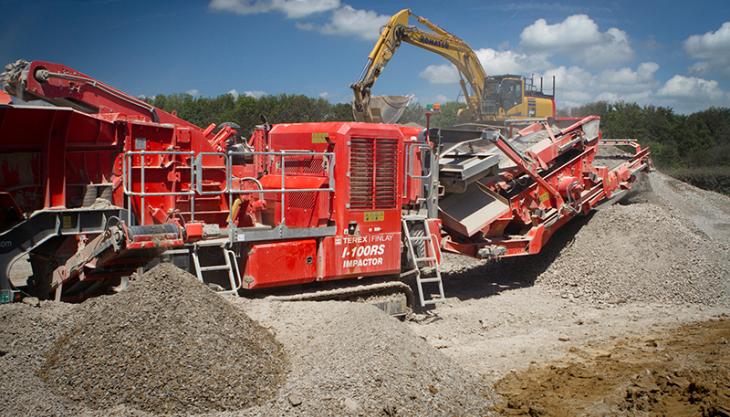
{"points": [[361, 173], [386, 171], [373, 173]]}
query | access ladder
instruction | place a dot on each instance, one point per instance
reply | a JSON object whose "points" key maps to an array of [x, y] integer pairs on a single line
{"points": [[229, 265], [425, 257]]}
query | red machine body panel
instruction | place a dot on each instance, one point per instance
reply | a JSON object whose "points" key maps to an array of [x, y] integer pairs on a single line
{"points": [[295, 203], [552, 181], [365, 207], [281, 263], [50, 155], [363, 255]]}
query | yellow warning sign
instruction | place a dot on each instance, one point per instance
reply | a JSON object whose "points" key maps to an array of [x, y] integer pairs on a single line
{"points": [[374, 216], [319, 137]]}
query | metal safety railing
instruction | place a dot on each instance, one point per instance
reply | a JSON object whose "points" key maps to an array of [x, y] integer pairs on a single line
{"points": [[197, 177], [410, 152], [327, 156], [127, 181]]}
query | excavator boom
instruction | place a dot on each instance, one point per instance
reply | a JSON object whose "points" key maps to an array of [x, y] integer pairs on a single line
{"points": [[488, 99], [436, 40]]}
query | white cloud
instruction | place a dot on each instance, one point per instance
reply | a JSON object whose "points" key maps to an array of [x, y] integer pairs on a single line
{"points": [[574, 77], [293, 9], [347, 21], [254, 93], [712, 50], [689, 94], [233, 93], [493, 62], [579, 39], [193, 92], [642, 97], [710, 44], [573, 85], [626, 84], [577, 86], [440, 74], [691, 88], [573, 32], [510, 62], [324, 94], [626, 76]]}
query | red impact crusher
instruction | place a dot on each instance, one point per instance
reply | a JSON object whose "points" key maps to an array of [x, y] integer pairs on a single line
{"points": [[96, 185]]}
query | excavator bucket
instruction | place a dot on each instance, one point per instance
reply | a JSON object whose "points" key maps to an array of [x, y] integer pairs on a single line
{"points": [[384, 109]]}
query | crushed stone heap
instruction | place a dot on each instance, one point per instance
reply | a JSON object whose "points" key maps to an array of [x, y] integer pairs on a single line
{"points": [[166, 345], [641, 252], [351, 359]]}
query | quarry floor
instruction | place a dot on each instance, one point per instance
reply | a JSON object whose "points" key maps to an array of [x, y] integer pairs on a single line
{"points": [[632, 321]]}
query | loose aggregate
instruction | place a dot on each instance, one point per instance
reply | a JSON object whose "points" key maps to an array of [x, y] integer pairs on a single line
{"points": [[167, 344]]}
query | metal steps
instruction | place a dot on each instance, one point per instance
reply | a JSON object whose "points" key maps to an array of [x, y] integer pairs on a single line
{"points": [[426, 264], [230, 266]]}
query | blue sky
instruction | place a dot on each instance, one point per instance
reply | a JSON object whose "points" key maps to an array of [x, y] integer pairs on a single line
{"points": [[669, 53]]}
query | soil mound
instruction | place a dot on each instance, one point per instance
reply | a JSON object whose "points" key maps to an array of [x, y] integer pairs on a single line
{"points": [[641, 252], [686, 373], [166, 345]]}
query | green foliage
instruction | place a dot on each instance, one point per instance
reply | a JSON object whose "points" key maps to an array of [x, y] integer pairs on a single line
{"points": [[447, 117], [247, 111], [677, 141], [283, 108], [680, 143]]}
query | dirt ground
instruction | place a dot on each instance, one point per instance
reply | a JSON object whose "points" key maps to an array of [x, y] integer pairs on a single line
{"points": [[685, 372], [531, 336], [504, 321], [500, 317]]}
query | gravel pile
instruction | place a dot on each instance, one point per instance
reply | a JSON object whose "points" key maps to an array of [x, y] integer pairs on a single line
{"points": [[641, 252], [352, 359], [166, 345], [25, 333]]}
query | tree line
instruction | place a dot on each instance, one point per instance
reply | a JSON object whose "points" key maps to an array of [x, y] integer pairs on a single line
{"points": [[693, 147], [700, 139], [246, 111]]}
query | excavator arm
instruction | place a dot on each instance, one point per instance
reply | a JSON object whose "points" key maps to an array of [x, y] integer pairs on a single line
{"points": [[436, 40]]}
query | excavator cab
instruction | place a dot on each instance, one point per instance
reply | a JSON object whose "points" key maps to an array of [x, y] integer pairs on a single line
{"points": [[501, 94], [512, 96]]}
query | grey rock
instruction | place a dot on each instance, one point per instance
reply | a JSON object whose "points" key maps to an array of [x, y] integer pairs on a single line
{"points": [[294, 400], [32, 301], [352, 405]]}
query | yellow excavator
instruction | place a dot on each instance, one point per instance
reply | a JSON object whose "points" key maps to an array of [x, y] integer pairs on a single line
{"points": [[489, 99]]}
